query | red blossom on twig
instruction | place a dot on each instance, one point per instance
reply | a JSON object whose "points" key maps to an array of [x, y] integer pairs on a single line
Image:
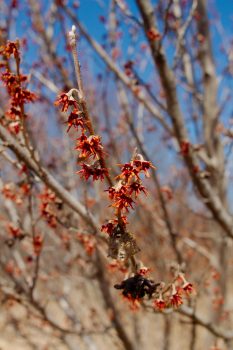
{"points": [[89, 146], [66, 101], [159, 304], [94, 171], [75, 120], [11, 48], [175, 298]]}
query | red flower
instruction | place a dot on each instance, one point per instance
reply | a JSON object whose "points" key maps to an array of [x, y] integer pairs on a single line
{"points": [[136, 188], [75, 120], [176, 298], [159, 304], [93, 170], [89, 146], [120, 197], [9, 49], [188, 288], [143, 165], [8, 79], [20, 96], [109, 227], [111, 192], [66, 101], [123, 201], [128, 171], [111, 224], [143, 271]]}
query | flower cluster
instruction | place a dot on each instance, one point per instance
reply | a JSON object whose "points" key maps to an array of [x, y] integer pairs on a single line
{"points": [[164, 296], [123, 193], [66, 101], [172, 296], [129, 186], [88, 145], [11, 48], [94, 170], [19, 95], [48, 199]]}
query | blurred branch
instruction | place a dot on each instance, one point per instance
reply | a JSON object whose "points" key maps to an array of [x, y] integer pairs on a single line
{"points": [[214, 329], [209, 194], [47, 178]]}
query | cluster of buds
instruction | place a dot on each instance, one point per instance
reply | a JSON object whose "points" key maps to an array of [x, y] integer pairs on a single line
{"points": [[19, 96], [47, 209]]}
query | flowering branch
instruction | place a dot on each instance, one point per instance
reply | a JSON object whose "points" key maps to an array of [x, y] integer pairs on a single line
{"points": [[123, 194]]}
